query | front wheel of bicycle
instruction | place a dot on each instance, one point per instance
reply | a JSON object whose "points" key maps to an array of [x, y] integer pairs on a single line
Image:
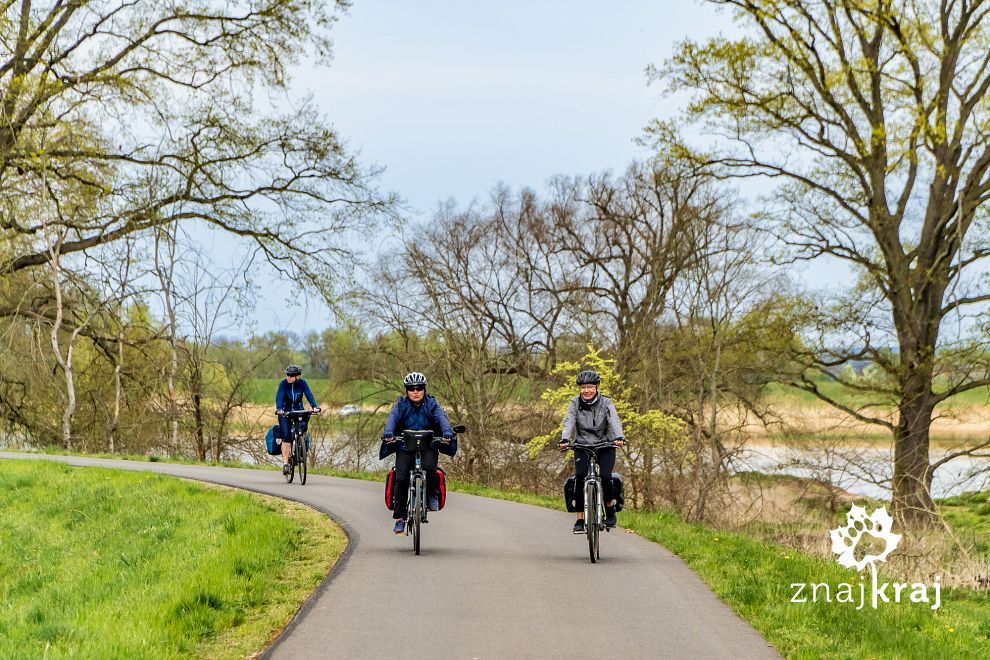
{"points": [[591, 520], [417, 512], [301, 461]]}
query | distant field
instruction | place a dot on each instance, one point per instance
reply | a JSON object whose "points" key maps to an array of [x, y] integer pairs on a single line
{"points": [[262, 391], [785, 394]]}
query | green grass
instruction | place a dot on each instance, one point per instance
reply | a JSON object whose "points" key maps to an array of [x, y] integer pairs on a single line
{"points": [[113, 564], [969, 516]]}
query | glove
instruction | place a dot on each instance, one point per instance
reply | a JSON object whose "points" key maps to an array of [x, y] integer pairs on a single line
{"points": [[316, 410]]}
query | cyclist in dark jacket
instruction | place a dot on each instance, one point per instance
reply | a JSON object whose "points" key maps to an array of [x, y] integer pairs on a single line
{"points": [[289, 397], [420, 411], [591, 419]]}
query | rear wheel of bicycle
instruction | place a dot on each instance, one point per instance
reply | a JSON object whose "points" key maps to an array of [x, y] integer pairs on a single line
{"points": [[301, 460]]}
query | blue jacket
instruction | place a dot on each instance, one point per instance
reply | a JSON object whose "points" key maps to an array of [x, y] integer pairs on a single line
{"points": [[425, 415], [290, 397]]}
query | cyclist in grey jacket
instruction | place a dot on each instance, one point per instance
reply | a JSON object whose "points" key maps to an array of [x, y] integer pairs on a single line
{"points": [[591, 419]]}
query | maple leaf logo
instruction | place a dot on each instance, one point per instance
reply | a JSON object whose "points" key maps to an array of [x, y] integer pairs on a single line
{"points": [[845, 539]]}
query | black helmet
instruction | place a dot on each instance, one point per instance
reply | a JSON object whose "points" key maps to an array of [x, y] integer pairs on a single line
{"points": [[413, 379], [293, 370], [588, 378]]}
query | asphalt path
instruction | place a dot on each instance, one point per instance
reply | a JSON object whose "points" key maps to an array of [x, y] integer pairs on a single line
{"points": [[495, 579]]}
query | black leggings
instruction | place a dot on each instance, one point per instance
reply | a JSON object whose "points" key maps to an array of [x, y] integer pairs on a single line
{"points": [[606, 463], [406, 461]]}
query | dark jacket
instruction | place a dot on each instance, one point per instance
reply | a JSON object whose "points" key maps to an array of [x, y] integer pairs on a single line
{"points": [[289, 397], [591, 424], [426, 415]]}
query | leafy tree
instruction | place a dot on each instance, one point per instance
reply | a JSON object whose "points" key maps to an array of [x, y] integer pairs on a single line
{"points": [[873, 116], [152, 112], [647, 428]]}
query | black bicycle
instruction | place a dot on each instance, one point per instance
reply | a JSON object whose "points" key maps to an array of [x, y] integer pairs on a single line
{"points": [[416, 507], [297, 436], [594, 499]]}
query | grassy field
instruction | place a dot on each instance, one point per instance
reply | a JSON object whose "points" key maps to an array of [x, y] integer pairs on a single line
{"points": [[262, 391], [112, 564]]}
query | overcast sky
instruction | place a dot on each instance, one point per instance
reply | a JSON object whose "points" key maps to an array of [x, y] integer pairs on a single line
{"points": [[451, 97]]}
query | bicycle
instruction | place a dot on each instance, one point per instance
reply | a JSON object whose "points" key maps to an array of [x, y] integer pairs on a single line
{"points": [[594, 501], [416, 508], [297, 455]]}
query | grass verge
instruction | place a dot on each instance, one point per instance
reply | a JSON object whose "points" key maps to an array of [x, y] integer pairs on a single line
{"points": [[112, 564]]}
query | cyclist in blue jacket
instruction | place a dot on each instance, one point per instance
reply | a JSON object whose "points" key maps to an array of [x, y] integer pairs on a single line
{"points": [[416, 410], [288, 398]]}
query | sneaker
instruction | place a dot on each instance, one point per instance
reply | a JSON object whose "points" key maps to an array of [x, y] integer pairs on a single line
{"points": [[579, 526], [434, 503], [400, 527], [610, 517], [285, 468]]}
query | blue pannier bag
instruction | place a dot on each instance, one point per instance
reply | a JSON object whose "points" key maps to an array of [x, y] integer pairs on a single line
{"points": [[273, 441]]}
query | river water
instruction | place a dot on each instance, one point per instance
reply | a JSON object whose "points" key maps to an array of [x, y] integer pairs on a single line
{"points": [[864, 470]]}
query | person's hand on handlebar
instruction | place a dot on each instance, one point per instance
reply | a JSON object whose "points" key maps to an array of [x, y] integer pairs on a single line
{"points": [[388, 439], [280, 413], [317, 411], [563, 444], [619, 442], [446, 439]]}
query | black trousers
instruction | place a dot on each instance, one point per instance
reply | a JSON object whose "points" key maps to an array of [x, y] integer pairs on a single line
{"points": [[406, 461], [606, 463]]}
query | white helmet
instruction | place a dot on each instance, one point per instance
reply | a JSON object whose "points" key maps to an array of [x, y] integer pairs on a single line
{"points": [[414, 378]]}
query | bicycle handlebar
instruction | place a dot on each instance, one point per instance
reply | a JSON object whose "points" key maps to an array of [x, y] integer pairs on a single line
{"points": [[297, 413], [589, 448]]}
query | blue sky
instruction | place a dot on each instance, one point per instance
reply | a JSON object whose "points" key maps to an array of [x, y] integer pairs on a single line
{"points": [[454, 97]]}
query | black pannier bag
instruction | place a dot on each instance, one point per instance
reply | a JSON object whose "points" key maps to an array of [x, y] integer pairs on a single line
{"points": [[617, 491], [570, 499]]}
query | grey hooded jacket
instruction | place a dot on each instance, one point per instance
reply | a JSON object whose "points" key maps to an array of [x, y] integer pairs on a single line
{"points": [[591, 424]]}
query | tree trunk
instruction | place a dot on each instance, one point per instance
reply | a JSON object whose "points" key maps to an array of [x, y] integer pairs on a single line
{"points": [[912, 502], [196, 383], [118, 390]]}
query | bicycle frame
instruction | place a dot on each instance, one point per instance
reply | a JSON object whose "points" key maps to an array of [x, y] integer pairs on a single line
{"points": [[417, 442], [594, 499], [297, 436]]}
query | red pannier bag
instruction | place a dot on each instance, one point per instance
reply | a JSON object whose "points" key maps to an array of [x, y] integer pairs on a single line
{"points": [[390, 487], [389, 481], [443, 487]]}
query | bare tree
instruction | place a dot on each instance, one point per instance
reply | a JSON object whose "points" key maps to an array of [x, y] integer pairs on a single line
{"points": [[873, 115]]}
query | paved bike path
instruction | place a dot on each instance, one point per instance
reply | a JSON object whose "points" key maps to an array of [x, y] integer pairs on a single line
{"points": [[495, 579]]}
